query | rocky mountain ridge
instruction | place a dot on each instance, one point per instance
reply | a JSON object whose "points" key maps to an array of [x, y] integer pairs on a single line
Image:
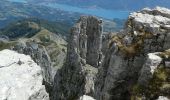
{"points": [[133, 64], [46, 48], [144, 33], [120, 68]]}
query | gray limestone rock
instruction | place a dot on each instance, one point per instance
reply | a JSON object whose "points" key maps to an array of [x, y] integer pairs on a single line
{"points": [[77, 76], [145, 32], [85, 97], [20, 82], [39, 54], [110, 76], [152, 63]]}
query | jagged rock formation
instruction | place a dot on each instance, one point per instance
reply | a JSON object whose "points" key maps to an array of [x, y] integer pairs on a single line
{"points": [[146, 31], [77, 76], [20, 78], [111, 70], [47, 49], [117, 73]]}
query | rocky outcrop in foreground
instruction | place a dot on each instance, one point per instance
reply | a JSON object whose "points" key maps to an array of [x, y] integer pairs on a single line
{"points": [[40, 56], [85, 97], [20, 78]]}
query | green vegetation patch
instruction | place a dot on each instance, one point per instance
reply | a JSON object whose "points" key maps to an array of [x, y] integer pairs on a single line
{"points": [[6, 45], [135, 47], [20, 29]]}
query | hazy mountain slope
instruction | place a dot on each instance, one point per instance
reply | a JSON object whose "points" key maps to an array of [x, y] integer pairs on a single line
{"points": [[111, 4], [41, 31], [10, 11], [30, 27]]}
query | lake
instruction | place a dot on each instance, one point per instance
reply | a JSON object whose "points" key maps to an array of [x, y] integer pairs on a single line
{"points": [[21, 1], [107, 14]]}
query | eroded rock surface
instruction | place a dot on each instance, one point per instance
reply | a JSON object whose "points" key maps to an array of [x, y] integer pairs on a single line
{"points": [[145, 32], [39, 54], [85, 97], [78, 75], [111, 69], [152, 63], [20, 78]]}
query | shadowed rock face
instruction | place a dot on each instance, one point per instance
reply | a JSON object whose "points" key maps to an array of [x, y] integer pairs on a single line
{"points": [[83, 56], [90, 32]]}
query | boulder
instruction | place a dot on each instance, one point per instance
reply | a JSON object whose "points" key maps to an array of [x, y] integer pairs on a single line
{"points": [[152, 63], [20, 81], [85, 97]]}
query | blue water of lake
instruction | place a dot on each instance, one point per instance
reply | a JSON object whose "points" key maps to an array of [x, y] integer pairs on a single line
{"points": [[108, 14], [21, 1]]}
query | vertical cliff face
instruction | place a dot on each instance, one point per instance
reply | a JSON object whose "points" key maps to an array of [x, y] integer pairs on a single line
{"points": [[77, 76], [146, 31], [90, 35]]}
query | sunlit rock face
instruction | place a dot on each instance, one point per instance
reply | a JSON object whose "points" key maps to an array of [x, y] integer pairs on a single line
{"points": [[20, 78], [85, 97], [146, 31], [162, 98], [39, 54]]}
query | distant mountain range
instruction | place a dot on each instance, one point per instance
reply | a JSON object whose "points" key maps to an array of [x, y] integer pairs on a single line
{"points": [[31, 26], [131, 5], [11, 11], [57, 20]]}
